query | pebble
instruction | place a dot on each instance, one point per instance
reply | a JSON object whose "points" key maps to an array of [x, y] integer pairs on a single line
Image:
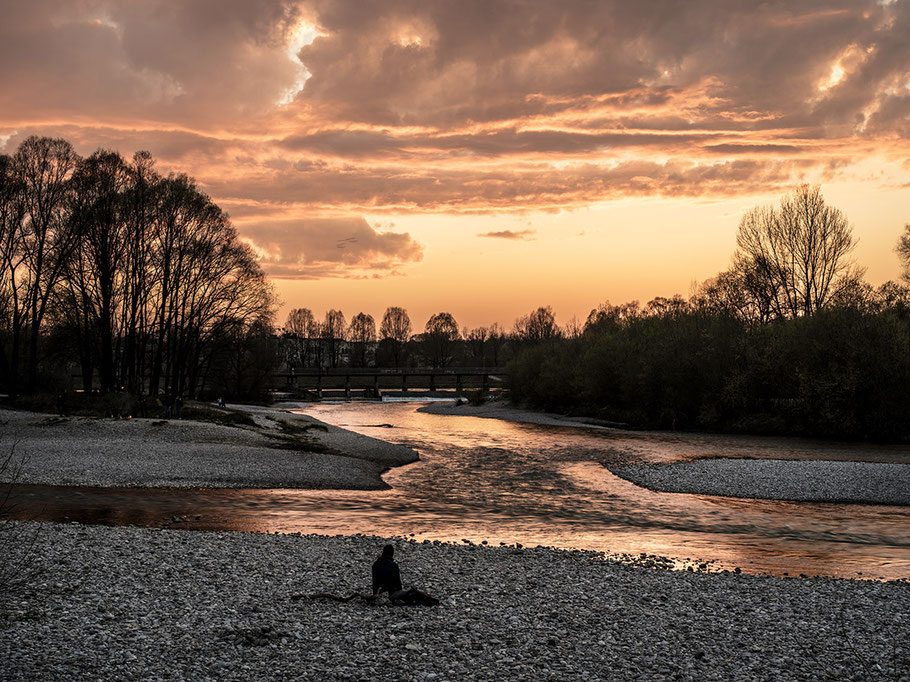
{"points": [[205, 605], [193, 454]]}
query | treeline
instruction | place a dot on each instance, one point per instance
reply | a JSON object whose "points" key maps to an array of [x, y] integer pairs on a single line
{"points": [[788, 340], [332, 342], [135, 280]]}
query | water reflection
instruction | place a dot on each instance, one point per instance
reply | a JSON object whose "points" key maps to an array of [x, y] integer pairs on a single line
{"points": [[482, 479]]}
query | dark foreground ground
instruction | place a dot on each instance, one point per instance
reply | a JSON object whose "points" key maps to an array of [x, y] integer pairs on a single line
{"points": [[127, 603]]}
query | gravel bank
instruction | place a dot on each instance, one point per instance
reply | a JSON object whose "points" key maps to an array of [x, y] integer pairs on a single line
{"points": [[130, 604], [733, 465], [686, 445], [769, 479], [281, 451]]}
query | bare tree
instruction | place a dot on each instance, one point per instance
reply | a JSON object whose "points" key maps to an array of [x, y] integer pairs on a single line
{"points": [[734, 292], [333, 328], [477, 342], [396, 327], [439, 337], [540, 325], [145, 271], [303, 331], [607, 313], [796, 254], [572, 329], [139, 207], [362, 335], [496, 336], [95, 272], [45, 239], [661, 306], [12, 213]]}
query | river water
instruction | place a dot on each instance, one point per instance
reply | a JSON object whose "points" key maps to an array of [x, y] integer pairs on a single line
{"points": [[503, 482]]}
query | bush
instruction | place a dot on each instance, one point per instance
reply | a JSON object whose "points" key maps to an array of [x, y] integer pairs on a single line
{"points": [[841, 373]]}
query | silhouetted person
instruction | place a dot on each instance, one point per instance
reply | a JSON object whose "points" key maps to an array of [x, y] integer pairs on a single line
{"points": [[143, 405], [178, 405], [387, 578], [168, 404], [61, 403]]}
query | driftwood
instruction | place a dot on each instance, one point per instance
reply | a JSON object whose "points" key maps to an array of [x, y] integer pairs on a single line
{"points": [[410, 597], [366, 598]]}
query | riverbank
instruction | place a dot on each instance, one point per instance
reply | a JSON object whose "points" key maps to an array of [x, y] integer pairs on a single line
{"points": [[768, 479], [771, 468], [129, 603], [273, 449]]}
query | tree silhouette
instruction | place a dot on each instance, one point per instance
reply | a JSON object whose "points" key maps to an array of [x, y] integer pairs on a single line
{"points": [[439, 338], [794, 257], [539, 325], [396, 329], [137, 272], [303, 331], [362, 334], [39, 243], [333, 328], [903, 253]]}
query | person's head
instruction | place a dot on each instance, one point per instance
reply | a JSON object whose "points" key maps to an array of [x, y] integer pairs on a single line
{"points": [[388, 551]]}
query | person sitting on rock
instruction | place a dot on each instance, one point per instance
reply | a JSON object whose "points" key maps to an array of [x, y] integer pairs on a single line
{"points": [[387, 578]]}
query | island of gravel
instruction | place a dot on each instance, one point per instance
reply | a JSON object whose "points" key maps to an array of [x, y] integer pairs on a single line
{"points": [[269, 448], [816, 472], [134, 604]]}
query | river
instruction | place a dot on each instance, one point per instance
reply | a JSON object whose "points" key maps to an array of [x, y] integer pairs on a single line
{"points": [[504, 482]]}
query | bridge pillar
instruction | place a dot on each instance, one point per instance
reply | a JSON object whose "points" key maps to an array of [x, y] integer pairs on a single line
{"points": [[486, 383], [376, 392], [347, 387], [404, 383], [458, 385], [319, 387], [432, 382]]}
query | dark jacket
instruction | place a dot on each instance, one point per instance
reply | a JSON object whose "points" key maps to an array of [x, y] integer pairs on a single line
{"points": [[386, 576]]}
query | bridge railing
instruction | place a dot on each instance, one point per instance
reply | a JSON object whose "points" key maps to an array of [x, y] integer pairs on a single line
{"points": [[315, 376], [393, 371]]}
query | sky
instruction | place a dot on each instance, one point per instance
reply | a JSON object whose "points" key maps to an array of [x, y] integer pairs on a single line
{"points": [[483, 157]]}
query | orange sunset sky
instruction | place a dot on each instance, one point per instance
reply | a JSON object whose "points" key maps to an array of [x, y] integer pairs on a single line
{"points": [[483, 157]]}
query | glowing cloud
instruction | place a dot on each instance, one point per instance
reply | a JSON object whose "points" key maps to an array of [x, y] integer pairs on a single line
{"points": [[520, 235]]}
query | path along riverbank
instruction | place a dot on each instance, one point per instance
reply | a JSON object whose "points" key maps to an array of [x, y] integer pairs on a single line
{"points": [[130, 604], [272, 449], [737, 466]]}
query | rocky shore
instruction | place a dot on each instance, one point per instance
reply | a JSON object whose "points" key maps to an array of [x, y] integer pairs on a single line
{"points": [[136, 604], [276, 450]]}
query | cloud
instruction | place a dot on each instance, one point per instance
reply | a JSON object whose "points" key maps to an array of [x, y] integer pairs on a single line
{"points": [[282, 108], [329, 247], [198, 63], [504, 188], [519, 235]]}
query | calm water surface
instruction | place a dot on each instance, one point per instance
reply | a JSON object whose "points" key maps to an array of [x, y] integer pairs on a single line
{"points": [[484, 479]]}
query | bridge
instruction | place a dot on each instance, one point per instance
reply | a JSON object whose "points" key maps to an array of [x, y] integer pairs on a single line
{"points": [[368, 379]]}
